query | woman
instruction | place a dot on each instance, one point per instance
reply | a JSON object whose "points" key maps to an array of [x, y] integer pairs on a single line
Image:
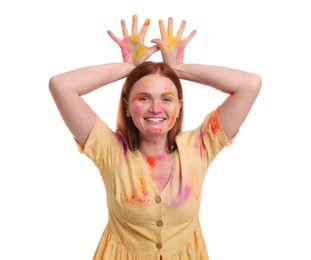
{"points": [[153, 172]]}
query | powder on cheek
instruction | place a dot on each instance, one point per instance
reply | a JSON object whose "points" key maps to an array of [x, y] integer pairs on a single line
{"points": [[173, 119], [137, 110]]}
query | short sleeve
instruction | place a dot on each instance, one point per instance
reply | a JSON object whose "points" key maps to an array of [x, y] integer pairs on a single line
{"points": [[213, 137], [103, 145], [202, 144]]}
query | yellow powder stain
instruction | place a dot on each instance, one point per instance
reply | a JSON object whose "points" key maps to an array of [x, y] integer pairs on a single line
{"points": [[139, 48]]}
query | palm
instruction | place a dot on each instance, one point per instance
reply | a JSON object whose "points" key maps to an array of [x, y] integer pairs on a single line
{"points": [[132, 46]]}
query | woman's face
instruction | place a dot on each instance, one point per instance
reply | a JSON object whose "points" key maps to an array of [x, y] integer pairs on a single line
{"points": [[153, 105]]}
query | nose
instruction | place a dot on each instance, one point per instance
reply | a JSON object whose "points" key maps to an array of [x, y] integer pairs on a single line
{"points": [[155, 107]]}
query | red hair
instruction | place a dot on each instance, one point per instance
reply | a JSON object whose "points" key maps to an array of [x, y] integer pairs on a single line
{"points": [[125, 126]]}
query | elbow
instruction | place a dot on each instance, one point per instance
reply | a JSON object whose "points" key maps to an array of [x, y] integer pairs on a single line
{"points": [[55, 84], [255, 84]]}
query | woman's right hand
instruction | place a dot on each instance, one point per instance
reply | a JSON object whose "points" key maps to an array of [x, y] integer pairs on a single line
{"points": [[132, 46]]}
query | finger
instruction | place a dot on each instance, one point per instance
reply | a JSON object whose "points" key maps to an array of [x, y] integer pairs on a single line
{"points": [[181, 30], [144, 29], [170, 27], [115, 38], [162, 30], [153, 49], [189, 37], [159, 42], [124, 29], [134, 24]]}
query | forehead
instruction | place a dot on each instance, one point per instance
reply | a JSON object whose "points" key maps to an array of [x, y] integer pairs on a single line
{"points": [[154, 84]]}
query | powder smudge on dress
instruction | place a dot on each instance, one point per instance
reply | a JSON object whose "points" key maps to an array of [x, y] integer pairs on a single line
{"points": [[138, 198], [181, 197], [121, 140]]}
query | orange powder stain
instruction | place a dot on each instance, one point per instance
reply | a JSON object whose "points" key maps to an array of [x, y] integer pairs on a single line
{"points": [[151, 160], [147, 22], [138, 97], [173, 119], [215, 122], [142, 186], [130, 199], [157, 130]]}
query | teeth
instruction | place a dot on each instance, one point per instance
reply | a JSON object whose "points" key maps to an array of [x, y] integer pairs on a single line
{"points": [[154, 119]]}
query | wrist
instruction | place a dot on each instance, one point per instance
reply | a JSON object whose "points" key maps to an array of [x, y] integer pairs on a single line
{"points": [[180, 70]]}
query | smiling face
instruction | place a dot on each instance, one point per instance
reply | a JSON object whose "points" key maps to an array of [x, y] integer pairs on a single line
{"points": [[153, 105]]}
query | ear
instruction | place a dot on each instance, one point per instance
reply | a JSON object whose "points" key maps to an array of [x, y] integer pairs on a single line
{"points": [[127, 112]]}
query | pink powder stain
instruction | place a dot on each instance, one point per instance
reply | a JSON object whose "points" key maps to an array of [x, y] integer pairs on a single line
{"points": [[199, 146], [186, 193], [182, 197], [161, 157], [162, 181], [125, 51], [137, 110], [121, 140]]}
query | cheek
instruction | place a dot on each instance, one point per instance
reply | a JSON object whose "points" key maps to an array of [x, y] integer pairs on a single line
{"points": [[136, 111], [173, 117]]}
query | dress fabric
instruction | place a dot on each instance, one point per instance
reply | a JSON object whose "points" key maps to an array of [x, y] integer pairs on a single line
{"points": [[143, 223]]}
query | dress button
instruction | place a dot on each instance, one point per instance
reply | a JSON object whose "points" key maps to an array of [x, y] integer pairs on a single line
{"points": [[157, 199], [159, 223], [159, 245]]}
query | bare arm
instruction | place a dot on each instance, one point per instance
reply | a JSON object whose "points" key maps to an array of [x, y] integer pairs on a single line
{"points": [[68, 88], [242, 87]]}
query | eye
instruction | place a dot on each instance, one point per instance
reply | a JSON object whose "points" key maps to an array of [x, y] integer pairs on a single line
{"points": [[167, 99], [144, 99]]}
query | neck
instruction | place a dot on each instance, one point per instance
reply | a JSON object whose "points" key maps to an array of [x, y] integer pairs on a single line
{"points": [[153, 146]]}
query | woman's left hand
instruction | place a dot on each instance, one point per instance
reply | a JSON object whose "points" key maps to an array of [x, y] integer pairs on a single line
{"points": [[132, 46], [172, 47]]}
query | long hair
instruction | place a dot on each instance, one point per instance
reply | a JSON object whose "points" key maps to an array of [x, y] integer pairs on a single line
{"points": [[125, 126]]}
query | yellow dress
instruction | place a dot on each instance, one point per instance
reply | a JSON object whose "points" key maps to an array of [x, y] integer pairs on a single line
{"points": [[142, 222]]}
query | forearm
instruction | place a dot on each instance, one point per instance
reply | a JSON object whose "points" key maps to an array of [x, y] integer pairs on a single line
{"points": [[85, 80], [227, 80]]}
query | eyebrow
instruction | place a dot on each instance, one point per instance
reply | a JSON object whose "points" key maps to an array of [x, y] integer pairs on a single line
{"points": [[144, 94]]}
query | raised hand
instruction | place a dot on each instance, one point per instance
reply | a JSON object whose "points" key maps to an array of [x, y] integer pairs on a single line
{"points": [[172, 47], [132, 46]]}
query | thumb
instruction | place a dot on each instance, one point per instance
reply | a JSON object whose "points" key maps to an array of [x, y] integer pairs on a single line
{"points": [[157, 41]]}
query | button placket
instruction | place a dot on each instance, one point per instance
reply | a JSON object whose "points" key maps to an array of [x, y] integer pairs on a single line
{"points": [[159, 222], [157, 199], [158, 245]]}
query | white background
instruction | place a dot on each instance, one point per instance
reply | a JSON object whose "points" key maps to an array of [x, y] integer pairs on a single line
{"points": [[256, 196]]}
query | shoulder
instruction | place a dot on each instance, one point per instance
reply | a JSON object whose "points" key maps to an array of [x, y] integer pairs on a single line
{"points": [[103, 142]]}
